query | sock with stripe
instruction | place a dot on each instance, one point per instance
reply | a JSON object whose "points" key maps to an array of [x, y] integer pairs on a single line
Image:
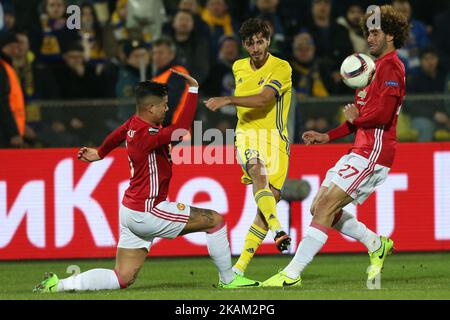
{"points": [[268, 206], [95, 279], [348, 225], [315, 237], [253, 240], [220, 253]]}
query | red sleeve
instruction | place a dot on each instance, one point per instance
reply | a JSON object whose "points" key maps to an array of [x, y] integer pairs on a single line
{"points": [[342, 131], [184, 121], [113, 140], [380, 114], [390, 82]]}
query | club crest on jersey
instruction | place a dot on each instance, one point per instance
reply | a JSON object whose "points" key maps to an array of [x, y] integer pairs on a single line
{"points": [[181, 206], [391, 83], [152, 130]]}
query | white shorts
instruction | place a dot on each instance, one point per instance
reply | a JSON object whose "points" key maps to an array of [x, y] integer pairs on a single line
{"points": [[137, 229], [356, 176]]}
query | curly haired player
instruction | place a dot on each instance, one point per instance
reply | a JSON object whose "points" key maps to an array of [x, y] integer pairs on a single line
{"points": [[373, 119]]}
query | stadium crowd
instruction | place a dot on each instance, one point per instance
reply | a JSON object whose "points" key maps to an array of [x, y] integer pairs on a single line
{"points": [[121, 42]]}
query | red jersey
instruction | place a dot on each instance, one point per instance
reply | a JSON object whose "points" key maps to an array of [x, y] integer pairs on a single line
{"points": [[149, 155], [379, 105]]}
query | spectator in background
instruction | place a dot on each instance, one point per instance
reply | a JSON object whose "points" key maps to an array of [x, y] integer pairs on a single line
{"points": [[118, 21], [219, 22], [426, 118], [146, 18], [441, 32], [221, 83], [36, 82], [9, 17], [277, 41], [192, 5], [91, 34], [332, 42], [119, 27], [163, 56], [135, 70], [192, 47], [350, 21], [12, 105], [310, 78], [27, 14], [268, 9], [418, 38], [53, 36], [76, 80]]}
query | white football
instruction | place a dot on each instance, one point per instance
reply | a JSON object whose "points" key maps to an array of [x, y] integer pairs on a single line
{"points": [[357, 70]]}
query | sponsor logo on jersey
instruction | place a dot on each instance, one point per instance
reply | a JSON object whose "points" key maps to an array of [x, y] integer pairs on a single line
{"points": [[152, 130]]}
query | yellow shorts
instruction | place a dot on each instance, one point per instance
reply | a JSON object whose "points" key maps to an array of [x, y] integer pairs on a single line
{"points": [[275, 157]]}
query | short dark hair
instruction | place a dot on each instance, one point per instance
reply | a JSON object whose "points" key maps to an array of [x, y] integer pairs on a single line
{"points": [[164, 41], [252, 27], [150, 88], [428, 50], [392, 22]]}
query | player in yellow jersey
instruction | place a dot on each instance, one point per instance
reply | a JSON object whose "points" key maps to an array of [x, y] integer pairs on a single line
{"points": [[262, 98]]}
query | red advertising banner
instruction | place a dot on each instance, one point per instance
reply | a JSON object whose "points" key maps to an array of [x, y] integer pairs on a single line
{"points": [[54, 206]]}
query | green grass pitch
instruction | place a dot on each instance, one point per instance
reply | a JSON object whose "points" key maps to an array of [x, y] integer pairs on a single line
{"points": [[330, 276]]}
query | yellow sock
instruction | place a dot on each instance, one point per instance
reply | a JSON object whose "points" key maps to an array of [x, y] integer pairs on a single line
{"points": [[253, 240], [268, 206]]}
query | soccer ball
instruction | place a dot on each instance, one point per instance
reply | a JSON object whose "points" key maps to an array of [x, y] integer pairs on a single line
{"points": [[357, 70]]}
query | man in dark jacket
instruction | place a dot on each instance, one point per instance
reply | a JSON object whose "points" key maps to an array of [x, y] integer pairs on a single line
{"points": [[332, 41], [10, 136], [164, 53]]}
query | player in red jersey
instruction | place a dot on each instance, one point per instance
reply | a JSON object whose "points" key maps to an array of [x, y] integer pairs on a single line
{"points": [[145, 212], [373, 119]]}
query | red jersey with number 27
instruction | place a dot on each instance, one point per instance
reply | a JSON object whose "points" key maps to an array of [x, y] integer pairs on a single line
{"points": [[379, 105]]}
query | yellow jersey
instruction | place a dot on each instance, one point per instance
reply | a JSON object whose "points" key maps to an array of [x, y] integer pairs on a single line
{"points": [[270, 121]]}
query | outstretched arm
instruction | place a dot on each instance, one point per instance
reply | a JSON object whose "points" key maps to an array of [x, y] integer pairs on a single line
{"points": [[112, 141], [259, 100], [313, 137], [184, 121]]}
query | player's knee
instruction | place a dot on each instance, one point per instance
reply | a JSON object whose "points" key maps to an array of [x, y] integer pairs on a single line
{"points": [[217, 222], [127, 277], [312, 210]]}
